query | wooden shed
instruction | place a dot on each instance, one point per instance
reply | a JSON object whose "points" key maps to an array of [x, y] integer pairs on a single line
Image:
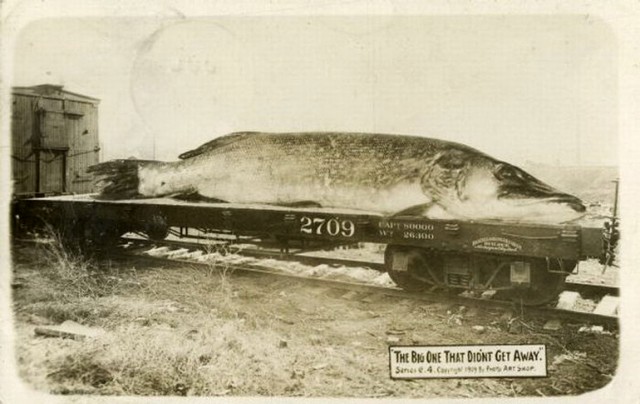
{"points": [[54, 140]]}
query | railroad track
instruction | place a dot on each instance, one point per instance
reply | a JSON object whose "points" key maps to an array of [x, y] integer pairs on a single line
{"points": [[266, 262]]}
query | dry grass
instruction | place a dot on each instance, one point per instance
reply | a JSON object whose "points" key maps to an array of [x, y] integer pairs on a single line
{"points": [[161, 342], [187, 330], [212, 358], [206, 354], [221, 268], [154, 345], [75, 274]]}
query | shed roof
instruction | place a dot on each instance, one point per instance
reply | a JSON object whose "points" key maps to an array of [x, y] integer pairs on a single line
{"points": [[53, 91]]}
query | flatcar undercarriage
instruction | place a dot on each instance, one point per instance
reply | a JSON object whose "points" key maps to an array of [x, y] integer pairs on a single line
{"points": [[529, 280], [527, 263]]}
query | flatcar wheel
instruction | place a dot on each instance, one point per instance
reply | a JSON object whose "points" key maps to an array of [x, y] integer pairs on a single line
{"points": [[157, 228], [411, 268], [545, 286]]}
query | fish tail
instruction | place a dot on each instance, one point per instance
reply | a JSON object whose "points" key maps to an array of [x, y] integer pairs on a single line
{"points": [[119, 179]]}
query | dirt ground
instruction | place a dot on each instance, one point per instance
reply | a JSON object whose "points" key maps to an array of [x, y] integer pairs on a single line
{"points": [[186, 330]]}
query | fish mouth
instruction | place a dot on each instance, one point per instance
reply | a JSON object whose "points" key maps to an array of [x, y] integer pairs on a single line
{"points": [[529, 198], [524, 189], [570, 201]]}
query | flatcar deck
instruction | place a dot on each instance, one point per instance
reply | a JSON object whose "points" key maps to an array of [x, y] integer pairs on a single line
{"points": [[569, 241]]}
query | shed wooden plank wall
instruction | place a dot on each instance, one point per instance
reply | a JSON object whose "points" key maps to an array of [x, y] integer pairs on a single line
{"points": [[84, 146], [22, 136], [59, 135]]}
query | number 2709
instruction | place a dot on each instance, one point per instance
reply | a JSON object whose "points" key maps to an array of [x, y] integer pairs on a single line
{"points": [[331, 227]]}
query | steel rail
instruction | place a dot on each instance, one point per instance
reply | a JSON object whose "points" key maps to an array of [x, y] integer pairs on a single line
{"points": [[610, 322], [584, 289], [547, 312]]}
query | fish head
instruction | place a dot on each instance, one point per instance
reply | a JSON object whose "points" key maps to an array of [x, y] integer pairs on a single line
{"points": [[468, 184]]}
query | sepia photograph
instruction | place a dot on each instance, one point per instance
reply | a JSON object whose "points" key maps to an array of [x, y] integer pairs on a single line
{"points": [[290, 202]]}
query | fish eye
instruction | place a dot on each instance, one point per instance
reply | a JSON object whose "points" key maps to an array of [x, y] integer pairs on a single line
{"points": [[505, 172]]}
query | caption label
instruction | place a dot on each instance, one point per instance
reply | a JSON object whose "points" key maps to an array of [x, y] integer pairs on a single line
{"points": [[426, 362]]}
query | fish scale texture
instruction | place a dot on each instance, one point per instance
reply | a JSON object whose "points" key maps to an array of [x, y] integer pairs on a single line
{"points": [[365, 159]]}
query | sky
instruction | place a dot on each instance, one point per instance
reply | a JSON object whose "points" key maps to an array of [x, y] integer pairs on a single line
{"points": [[525, 89]]}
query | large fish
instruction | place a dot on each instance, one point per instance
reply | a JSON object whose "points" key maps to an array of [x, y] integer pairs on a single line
{"points": [[389, 174]]}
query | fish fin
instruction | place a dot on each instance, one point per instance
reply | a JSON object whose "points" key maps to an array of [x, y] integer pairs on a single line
{"points": [[218, 143], [298, 204], [118, 179], [195, 196]]}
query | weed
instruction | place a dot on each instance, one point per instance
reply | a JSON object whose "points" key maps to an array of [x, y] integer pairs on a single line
{"points": [[75, 274], [82, 368], [217, 262]]}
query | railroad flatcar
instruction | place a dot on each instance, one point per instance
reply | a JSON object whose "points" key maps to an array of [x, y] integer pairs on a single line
{"points": [[526, 262]]}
